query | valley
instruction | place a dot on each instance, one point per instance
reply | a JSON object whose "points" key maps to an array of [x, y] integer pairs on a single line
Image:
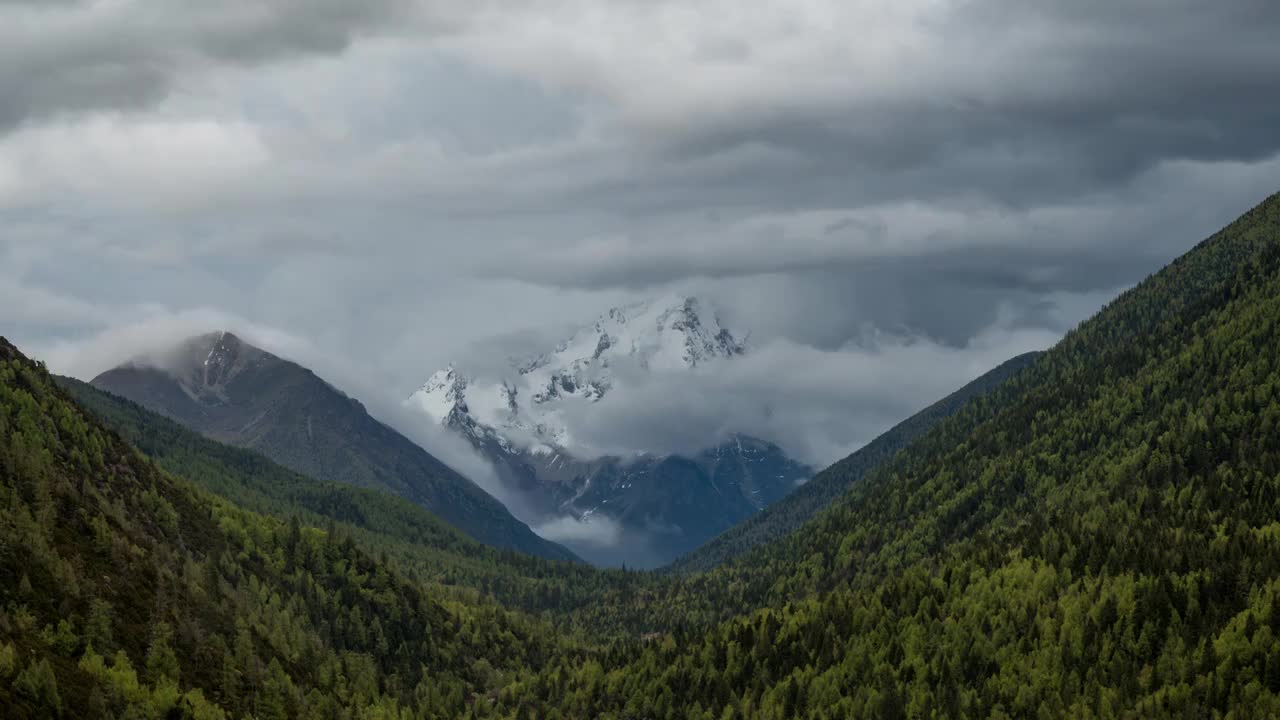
{"points": [[1084, 532]]}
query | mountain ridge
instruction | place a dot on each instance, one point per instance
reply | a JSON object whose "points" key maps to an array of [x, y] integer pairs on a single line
{"points": [[234, 392]]}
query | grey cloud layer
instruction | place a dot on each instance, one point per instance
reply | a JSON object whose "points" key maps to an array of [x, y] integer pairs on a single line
{"points": [[1099, 89], [79, 56], [818, 405]]}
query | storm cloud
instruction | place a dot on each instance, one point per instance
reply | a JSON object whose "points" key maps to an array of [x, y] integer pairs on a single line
{"points": [[890, 197]]}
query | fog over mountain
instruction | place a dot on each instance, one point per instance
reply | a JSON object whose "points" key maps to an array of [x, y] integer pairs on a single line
{"points": [[897, 197], [642, 503]]}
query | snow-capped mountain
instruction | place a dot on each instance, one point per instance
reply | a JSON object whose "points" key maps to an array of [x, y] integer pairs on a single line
{"points": [[666, 505], [526, 407]]}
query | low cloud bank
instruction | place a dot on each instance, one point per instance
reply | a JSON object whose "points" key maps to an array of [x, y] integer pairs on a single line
{"points": [[818, 405]]}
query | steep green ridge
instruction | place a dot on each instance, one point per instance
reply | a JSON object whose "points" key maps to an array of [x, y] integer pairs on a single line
{"points": [[236, 393], [421, 545], [806, 501], [1168, 314], [126, 589], [1096, 538]]}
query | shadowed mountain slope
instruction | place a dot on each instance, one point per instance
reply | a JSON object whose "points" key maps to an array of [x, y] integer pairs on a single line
{"points": [[235, 393]]}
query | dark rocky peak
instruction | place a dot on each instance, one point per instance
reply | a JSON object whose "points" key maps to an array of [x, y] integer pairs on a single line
{"points": [[8, 351], [206, 364], [221, 360]]}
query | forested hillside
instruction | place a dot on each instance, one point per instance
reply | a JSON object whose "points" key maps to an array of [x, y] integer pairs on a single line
{"points": [[1098, 538], [806, 501], [129, 593], [420, 544]]}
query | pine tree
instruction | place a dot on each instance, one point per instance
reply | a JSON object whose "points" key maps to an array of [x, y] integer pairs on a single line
{"points": [[162, 662], [38, 683]]}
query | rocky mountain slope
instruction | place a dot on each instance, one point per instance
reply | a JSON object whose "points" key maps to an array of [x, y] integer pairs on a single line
{"points": [[233, 392]]}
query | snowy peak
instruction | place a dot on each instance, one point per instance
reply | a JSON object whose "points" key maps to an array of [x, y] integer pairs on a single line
{"points": [[675, 334], [672, 334], [444, 392]]}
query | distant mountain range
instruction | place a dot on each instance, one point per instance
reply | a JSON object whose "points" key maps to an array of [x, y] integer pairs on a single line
{"points": [[675, 503], [643, 510], [233, 392]]}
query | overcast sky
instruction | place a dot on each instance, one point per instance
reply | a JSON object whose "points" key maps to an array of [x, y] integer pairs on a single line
{"points": [[890, 196]]}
